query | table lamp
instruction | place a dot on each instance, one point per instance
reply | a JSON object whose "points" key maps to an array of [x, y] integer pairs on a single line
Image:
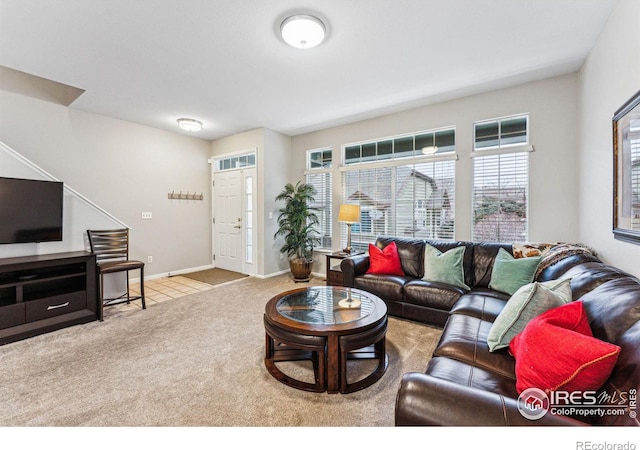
{"points": [[349, 214]]}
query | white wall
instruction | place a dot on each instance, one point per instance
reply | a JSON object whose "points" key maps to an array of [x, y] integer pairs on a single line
{"points": [[124, 168], [552, 107], [608, 79], [277, 173]]}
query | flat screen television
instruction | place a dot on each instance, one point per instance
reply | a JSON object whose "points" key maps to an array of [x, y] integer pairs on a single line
{"points": [[30, 210]]}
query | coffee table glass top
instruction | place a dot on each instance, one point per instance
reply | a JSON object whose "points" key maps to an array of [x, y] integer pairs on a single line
{"points": [[325, 305]]}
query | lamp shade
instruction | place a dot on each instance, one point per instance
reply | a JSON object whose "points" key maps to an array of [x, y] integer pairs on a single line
{"points": [[349, 213]]}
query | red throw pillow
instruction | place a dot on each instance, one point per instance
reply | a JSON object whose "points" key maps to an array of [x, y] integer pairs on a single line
{"points": [[386, 261], [557, 351]]}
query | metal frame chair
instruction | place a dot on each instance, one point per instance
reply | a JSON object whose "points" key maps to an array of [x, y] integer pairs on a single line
{"points": [[111, 248]]}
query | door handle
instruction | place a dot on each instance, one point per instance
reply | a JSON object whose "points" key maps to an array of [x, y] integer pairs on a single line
{"points": [[238, 226]]}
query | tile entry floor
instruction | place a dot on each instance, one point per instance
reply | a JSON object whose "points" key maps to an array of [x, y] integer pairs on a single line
{"points": [[160, 290]]}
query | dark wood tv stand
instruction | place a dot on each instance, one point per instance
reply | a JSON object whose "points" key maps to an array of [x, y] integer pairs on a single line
{"points": [[43, 293]]}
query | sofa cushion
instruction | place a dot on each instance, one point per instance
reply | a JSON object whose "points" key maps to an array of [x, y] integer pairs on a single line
{"points": [[613, 307], [467, 258], [529, 301], [559, 253], [510, 273], [551, 269], [444, 267], [587, 276], [482, 303], [472, 376], [556, 351], [464, 338], [387, 287], [484, 255], [411, 252], [384, 261], [435, 295]]}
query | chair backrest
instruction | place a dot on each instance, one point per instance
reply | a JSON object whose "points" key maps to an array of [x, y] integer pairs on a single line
{"points": [[109, 244]]}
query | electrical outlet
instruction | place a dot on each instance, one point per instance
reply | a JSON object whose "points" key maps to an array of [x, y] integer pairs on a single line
{"points": [[149, 259], [146, 215]]}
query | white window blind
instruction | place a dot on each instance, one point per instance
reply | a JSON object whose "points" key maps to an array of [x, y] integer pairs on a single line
{"points": [[411, 196], [634, 142], [319, 175], [500, 192]]}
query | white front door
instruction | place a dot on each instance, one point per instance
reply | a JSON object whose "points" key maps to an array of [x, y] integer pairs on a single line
{"points": [[227, 215]]}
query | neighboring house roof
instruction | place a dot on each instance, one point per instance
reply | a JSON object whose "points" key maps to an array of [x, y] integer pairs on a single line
{"points": [[421, 176], [438, 199], [364, 199]]}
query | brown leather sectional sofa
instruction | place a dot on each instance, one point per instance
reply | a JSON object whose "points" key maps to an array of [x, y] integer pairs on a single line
{"points": [[464, 384]]}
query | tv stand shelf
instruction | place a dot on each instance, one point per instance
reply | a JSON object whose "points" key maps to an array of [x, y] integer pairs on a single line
{"points": [[44, 293]]}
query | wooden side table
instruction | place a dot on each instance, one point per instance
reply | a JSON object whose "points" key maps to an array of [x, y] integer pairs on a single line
{"points": [[334, 272]]}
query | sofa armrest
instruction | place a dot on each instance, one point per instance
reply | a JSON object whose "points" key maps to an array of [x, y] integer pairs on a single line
{"points": [[353, 266], [426, 400]]}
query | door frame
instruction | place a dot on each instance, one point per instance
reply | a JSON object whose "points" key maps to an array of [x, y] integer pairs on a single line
{"points": [[248, 268]]}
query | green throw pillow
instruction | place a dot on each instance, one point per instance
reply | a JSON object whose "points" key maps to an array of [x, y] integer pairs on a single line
{"points": [[444, 267], [529, 301], [510, 274]]}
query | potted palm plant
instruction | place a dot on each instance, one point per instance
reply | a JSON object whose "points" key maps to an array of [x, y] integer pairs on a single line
{"points": [[296, 223]]}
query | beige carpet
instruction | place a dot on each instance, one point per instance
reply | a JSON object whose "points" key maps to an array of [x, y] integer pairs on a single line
{"points": [[214, 276], [193, 361]]}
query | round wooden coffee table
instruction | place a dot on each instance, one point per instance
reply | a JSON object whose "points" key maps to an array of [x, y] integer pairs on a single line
{"points": [[328, 325]]}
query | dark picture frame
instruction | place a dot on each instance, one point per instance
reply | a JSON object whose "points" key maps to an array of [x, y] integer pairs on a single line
{"points": [[626, 171]]}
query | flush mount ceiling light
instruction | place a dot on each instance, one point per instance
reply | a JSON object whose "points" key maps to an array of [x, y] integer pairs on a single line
{"points": [[303, 31], [190, 124], [430, 150]]}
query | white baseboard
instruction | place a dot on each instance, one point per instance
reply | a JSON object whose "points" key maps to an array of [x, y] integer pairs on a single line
{"points": [[273, 274], [282, 272], [210, 266], [174, 273], [183, 271]]}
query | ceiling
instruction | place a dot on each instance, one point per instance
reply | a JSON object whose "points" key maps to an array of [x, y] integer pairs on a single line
{"points": [[223, 63]]}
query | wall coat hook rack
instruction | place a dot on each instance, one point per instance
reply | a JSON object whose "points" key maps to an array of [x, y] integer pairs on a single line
{"points": [[188, 196]]}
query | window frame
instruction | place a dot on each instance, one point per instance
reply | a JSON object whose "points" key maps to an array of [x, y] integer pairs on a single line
{"points": [[501, 147], [445, 155], [326, 219], [500, 151], [393, 163], [235, 161]]}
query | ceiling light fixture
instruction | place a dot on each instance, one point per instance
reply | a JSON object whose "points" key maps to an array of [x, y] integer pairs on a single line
{"points": [[303, 31], [430, 150], [190, 124]]}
